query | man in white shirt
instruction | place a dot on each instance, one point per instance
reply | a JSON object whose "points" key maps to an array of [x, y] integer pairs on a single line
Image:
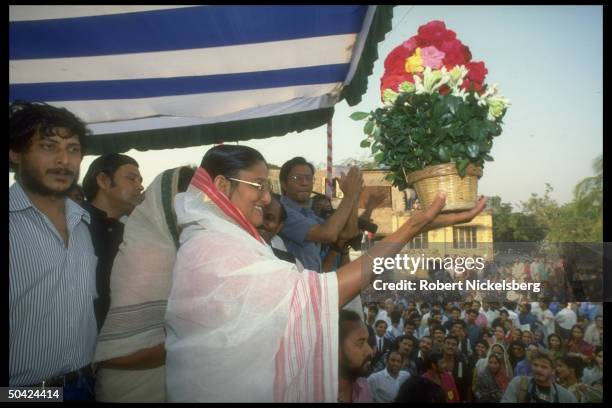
{"points": [[566, 318], [511, 307], [547, 318], [384, 385]]}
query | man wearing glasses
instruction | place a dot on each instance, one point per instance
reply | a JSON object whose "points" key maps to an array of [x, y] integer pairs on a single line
{"points": [[303, 231]]}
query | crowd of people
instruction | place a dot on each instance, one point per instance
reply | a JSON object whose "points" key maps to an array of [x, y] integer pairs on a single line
{"points": [[475, 351], [209, 287]]}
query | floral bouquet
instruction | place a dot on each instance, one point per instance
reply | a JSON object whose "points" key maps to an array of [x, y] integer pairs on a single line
{"points": [[436, 127]]}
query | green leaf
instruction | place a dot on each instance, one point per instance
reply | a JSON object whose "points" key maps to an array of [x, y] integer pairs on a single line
{"points": [[472, 150], [487, 157], [376, 133], [461, 166], [443, 153], [369, 127], [365, 143], [359, 115], [380, 157]]}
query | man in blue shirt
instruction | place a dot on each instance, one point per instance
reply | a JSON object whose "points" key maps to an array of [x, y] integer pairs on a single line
{"points": [[52, 266], [303, 231]]}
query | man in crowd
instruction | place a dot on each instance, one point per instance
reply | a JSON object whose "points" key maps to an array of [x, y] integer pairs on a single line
{"points": [[456, 363], [303, 231], [425, 348], [455, 316], [385, 384], [274, 216], [458, 330], [526, 317], [565, 320], [112, 188], [382, 344], [52, 264], [539, 388], [407, 348], [355, 359], [438, 335], [474, 330]]}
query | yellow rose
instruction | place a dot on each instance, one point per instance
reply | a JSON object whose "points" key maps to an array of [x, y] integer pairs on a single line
{"points": [[414, 63]]}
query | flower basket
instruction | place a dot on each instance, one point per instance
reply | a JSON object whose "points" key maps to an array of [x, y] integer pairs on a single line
{"points": [[461, 192], [436, 127]]}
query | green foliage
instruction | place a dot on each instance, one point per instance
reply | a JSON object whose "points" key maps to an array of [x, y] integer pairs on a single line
{"points": [[420, 130], [542, 219]]}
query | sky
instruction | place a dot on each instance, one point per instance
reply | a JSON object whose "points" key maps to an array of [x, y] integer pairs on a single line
{"points": [[548, 60]]}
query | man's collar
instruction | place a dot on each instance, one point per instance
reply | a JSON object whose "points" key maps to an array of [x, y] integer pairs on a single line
{"points": [[19, 200], [293, 204]]}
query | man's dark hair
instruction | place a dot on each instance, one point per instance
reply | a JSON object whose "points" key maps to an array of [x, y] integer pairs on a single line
{"points": [[504, 311], [433, 357], [379, 322], [451, 337], [542, 355], [395, 316], [527, 306], [574, 362], [283, 215], [413, 339], [108, 164], [473, 311], [290, 164], [391, 352], [510, 305], [418, 389], [346, 316], [459, 323], [25, 118], [455, 309], [373, 307]]}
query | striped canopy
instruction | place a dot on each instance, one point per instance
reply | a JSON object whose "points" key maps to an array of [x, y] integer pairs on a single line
{"points": [[228, 72]]}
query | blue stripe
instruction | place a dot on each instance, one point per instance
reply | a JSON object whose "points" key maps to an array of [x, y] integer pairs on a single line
{"points": [[178, 29], [150, 88]]}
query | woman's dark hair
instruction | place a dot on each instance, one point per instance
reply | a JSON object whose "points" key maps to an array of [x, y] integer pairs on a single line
{"points": [[108, 164], [574, 362], [296, 161], [27, 117], [433, 357], [576, 326], [418, 389], [228, 160]]}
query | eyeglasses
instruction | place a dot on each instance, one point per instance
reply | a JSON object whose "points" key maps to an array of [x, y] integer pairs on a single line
{"points": [[301, 177], [261, 188]]}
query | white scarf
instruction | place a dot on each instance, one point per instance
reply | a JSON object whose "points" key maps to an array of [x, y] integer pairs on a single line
{"points": [[242, 325]]}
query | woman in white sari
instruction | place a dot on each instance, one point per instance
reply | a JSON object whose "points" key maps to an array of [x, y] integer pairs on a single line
{"points": [[242, 325]]}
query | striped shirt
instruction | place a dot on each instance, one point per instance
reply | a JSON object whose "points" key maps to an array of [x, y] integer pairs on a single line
{"points": [[51, 290]]}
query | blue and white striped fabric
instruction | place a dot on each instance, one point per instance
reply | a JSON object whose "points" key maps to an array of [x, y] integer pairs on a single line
{"points": [[207, 63], [51, 291]]}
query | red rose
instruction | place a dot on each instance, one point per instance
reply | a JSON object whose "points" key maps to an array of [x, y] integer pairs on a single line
{"points": [[476, 71], [444, 90], [454, 52], [434, 33], [467, 54], [467, 84], [396, 60], [393, 81]]}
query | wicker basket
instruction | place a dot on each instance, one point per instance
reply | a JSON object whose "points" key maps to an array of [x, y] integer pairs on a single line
{"points": [[461, 193]]}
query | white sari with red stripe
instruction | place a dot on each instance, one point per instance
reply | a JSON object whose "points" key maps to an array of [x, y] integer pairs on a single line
{"points": [[242, 325]]}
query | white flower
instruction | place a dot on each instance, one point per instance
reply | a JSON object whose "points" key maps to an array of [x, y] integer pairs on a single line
{"points": [[456, 76]]}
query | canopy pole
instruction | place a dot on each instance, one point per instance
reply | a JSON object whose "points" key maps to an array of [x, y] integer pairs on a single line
{"points": [[329, 187]]}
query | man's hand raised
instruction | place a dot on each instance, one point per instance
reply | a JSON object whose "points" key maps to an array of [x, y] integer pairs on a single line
{"points": [[351, 184]]}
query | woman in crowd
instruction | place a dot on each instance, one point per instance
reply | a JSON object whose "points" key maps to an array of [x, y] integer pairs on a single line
{"points": [[527, 338], [500, 351], [243, 325], [569, 372], [576, 343], [555, 346], [594, 375], [130, 346], [491, 382], [500, 335]]}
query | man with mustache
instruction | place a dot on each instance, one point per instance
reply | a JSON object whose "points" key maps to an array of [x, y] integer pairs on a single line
{"points": [[52, 264], [304, 232], [355, 359], [113, 188]]}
